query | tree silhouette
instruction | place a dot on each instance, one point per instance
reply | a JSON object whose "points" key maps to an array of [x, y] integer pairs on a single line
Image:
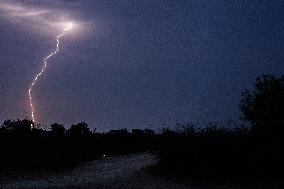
{"points": [[57, 130], [19, 126], [263, 107], [79, 130]]}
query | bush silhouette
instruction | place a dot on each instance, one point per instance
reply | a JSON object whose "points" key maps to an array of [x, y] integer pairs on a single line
{"points": [[79, 130], [28, 147], [263, 107]]}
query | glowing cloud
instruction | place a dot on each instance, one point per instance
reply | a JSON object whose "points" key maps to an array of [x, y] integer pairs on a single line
{"points": [[39, 18], [16, 10]]}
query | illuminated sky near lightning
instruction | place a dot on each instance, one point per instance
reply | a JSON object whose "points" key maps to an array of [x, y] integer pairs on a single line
{"points": [[136, 63]]}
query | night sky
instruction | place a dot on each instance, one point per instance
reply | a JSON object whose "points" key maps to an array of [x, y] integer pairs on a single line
{"points": [[136, 64]]}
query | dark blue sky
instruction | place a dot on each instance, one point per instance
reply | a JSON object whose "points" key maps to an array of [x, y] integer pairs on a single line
{"points": [[137, 63]]}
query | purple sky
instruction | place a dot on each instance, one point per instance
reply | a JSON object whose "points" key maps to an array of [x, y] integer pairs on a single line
{"points": [[136, 64]]}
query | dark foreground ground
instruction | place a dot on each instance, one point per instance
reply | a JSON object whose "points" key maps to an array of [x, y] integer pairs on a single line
{"points": [[122, 172]]}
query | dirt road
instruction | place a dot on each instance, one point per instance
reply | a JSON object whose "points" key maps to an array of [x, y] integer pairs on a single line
{"points": [[121, 172]]}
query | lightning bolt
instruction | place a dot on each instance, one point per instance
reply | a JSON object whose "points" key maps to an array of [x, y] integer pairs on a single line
{"points": [[45, 61]]}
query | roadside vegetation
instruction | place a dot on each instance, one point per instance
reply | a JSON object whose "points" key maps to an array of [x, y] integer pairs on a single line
{"points": [[214, 153]]}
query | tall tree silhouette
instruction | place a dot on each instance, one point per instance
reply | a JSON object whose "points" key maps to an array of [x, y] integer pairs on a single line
{"points": [[263, 107]]}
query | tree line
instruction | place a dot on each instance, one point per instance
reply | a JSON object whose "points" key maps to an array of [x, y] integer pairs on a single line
{"points": [[212, 153]]}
